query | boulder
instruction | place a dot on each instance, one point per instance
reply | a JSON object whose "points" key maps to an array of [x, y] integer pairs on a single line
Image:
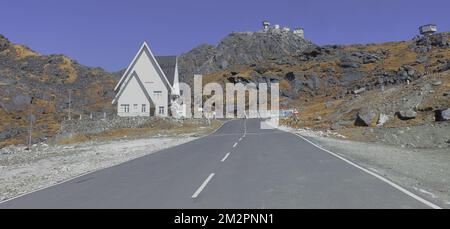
{"points": [[437, 83], [359, 91], [407, 114], [421, 59], [365, 117], [261, 69], [382, 120], [443, 115], [353, 61], [291, 76]]}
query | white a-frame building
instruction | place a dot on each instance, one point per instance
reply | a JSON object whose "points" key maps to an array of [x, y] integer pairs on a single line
{"points": [[149, 86]]}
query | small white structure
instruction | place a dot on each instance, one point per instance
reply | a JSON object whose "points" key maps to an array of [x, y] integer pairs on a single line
{"points": [[149, 86], [266, 26], [427, 30], [299, 32], [277, 27], [286, 29]]}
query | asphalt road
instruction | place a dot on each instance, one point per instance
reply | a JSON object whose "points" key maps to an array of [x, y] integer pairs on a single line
{"points": [[239, 166]]}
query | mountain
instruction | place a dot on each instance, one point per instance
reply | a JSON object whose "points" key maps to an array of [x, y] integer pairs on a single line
{"points": [[243, 48], [332, 70], [407, 82], [329, 84], [38, 85]]}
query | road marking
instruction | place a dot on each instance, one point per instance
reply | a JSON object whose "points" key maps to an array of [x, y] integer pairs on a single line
{"points": [[212, 134], [245, 127], [240, 139], [200, 189], [235, 144], [396, 186], [225, 158]]}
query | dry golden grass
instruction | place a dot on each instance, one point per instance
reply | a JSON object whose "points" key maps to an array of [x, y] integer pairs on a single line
{"points": [[23, 52], [68, 67], [159, 128]]}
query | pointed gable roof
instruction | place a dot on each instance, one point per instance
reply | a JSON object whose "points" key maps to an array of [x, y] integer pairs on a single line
{"points": [[135, 76], [168, 64], [144, 49]]}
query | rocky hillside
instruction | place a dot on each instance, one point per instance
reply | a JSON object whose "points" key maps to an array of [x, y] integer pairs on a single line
{"points": [[336, 71], [241, 49], [333, 86], [395, 84], [39, 85]]}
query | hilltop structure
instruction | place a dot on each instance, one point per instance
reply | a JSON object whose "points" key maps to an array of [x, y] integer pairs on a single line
{"points": [[427, 30], [277, 28]]}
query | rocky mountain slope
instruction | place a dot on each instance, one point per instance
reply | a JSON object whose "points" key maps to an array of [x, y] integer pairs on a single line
{"points": [[241, 49], [37, 86], [333, 86], [339, 70], [394, 84]]}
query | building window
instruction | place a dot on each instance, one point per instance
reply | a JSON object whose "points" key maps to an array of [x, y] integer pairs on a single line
{"points": [[135, 107], [161, 110], [144, 108], [125, 108], [181, 92], [157, 94]]}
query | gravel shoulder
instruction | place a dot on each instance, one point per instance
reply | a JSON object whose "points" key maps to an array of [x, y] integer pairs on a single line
{"points": [[23, 171], [426, 172]]}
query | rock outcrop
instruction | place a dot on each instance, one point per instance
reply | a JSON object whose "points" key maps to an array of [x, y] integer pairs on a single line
{"points": [[443, 115], [243, 48], [407, 114], [365, 117]]}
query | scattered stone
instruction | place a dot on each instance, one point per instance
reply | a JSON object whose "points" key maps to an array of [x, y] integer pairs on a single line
{"points": [[383, 119], [359, 91], [318, 118], [443, 115], [447, 93], [365, 117], [407, 114], [437, 83], [421, 59]]}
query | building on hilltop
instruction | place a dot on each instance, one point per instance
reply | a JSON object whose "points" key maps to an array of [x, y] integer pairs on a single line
{"points": [[277, 28], [427, 30], [266, 26], [300, 32]]}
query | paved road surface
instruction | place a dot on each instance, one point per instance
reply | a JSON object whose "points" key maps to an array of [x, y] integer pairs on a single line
{"points": [[240, 166]]}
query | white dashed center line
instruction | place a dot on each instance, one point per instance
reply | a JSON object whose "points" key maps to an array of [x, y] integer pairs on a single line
{"points": [[200, 189], [226, 157], [235, 144]]}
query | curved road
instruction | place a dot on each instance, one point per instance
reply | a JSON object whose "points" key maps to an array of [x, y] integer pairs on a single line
{"points": [[239, 166]]}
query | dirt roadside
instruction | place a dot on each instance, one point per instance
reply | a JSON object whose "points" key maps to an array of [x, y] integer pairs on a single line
{"points": [[22, 171], [425, 172]]}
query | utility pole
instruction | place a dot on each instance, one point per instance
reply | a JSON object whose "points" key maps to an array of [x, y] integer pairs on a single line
{"points": [[70, 103], [31, 125]]}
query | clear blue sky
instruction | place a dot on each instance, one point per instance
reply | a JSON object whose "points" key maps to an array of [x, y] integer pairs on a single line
{"points": [[107, 33]]}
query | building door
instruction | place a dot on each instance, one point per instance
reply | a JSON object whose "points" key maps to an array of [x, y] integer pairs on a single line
{"points": [[152, 111]]}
